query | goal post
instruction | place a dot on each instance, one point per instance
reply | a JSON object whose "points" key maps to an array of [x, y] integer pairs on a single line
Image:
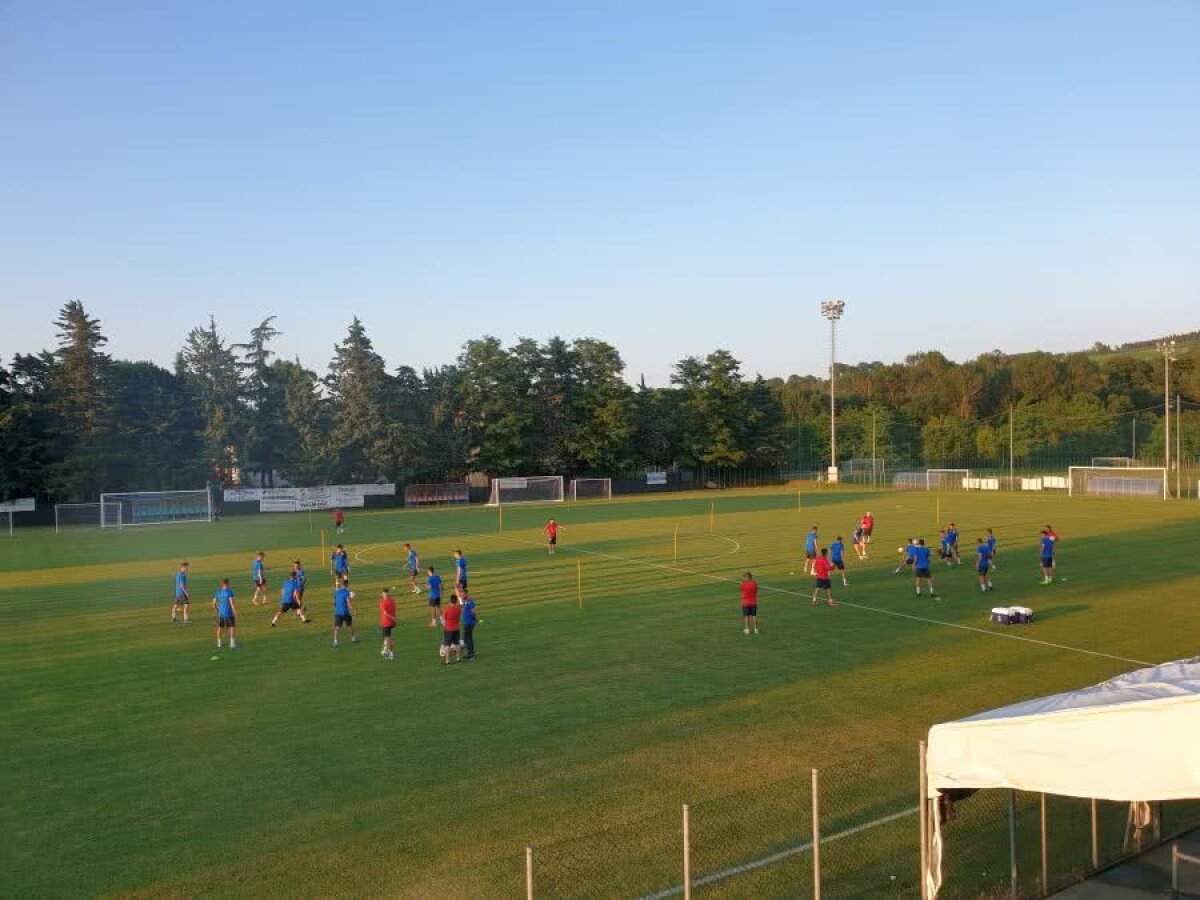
{"points": [[946, 479], [591, 489], [1148, 482], [67, 515], [529, 489], [155, 508]]}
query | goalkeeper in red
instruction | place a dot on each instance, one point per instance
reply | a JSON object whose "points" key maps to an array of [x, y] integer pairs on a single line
{"points": [[551, 532]]}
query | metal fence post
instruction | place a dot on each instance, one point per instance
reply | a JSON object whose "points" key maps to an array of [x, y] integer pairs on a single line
{"points": [[816, 835], [921, 780], [1012, 844], [1045, 855], [528, 872], [1095, 837], [687, 854]]}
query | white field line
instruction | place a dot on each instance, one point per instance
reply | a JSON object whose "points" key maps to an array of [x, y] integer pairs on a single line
{"points": [[667, 567], [779, 856]]}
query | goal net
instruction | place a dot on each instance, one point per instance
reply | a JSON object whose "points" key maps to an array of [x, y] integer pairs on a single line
{"points": [[1114, 462], [591, 489], [155, 508], [67, 515], [532, 489], [1105, 481], [946, 479]]}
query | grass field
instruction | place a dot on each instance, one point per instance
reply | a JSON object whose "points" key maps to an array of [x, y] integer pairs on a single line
{"points": [[136, 764]]}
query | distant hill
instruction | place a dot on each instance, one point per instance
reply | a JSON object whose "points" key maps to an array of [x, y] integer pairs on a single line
{"points": [[1188, 341]]}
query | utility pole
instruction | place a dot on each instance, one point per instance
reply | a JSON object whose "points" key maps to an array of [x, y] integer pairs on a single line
{"points": [[1167, 349], [1011, 482], [832, 310]]}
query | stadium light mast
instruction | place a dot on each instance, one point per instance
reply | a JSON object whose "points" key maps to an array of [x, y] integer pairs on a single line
{"points": [[1167, 349], [832, 310]]}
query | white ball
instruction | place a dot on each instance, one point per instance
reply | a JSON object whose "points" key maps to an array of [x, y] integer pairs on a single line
{"points": [[899, 549]]}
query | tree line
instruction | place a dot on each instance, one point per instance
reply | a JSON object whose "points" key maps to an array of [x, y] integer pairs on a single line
{"points": [[75, 422]]}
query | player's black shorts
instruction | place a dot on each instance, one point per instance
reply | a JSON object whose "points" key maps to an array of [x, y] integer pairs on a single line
{"points": [[909, 561], [285, 605], [182, 599], [435, 601], [1047, 562], [225, 621], [260, 582], [749, 610], [824, 584], [809, 554], [450, 638], [343, 619], [839, 564], [462, 584], [553, 540], [414, 572], [922, 573], [983, 568], [387, 630]]}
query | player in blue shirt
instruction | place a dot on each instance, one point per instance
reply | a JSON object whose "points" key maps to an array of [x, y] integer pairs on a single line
{"points": [[922, 572], [837, 556], [183, 599], [435, 597], [811, 544], [460, 570], [984, 564], [952, 536], [1047, 543], [226, 612], [944, 552], [413, 562], [859, 541], [469, 620], [990, 540], [258, 575], [340, 563], [290, 600], [343, 610], [907, 555], [300, 577]]}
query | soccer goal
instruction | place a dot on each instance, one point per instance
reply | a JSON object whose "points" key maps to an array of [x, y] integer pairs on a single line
{"points": [[1104, 481], [591, 489], [946, 479], [67, 515], [1113, 462], [532, 489], [436, 494], [155, 508]]}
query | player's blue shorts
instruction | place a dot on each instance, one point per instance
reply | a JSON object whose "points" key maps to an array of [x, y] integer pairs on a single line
{"points": [[983, 568], [285, 605], [1047, 562], [181, 598]]}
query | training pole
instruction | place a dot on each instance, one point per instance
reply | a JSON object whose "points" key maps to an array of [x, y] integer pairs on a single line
{"points": [[712, 516], [816, 836], [676, 557], [579, 581], [937, 510], [798, 503]]}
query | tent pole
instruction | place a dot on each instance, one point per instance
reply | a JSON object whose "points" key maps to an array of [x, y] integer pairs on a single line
{"points": [[1012, 843], [923, 781], [1045, 855]]}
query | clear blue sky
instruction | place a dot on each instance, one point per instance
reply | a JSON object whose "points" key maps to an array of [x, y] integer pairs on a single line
{"points": [[668, 177]]}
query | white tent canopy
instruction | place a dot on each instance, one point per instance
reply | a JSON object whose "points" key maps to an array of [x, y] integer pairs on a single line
{"points": [[1132, 738]]}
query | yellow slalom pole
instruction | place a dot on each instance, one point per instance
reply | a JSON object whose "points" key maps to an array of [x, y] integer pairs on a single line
{"points": [[798, 503], [937, 515], [579, 581], [676, 545]]}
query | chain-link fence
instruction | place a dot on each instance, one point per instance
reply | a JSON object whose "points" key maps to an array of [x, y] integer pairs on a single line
{"points": [[846, 831]]}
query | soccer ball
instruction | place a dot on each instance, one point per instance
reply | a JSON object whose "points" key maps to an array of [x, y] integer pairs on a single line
{"points": [[899, 549]]}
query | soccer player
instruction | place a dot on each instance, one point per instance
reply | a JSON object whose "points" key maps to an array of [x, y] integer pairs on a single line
{"points": [[749, 604], [258, 574], [469, 621], [290, 600], [984, 565], [339, 520], [1047, 542], [387, 621], [837, 556], [435, 597], [991, 543], [343, 611], [460, 570], [451, 636], [922, 572], [182, 598], [952, 535], [226, 613], [413, 561], [859, 542], [340, 563], [868, 526], [301, 578], [908, 553], [551, 532], [822, 568], [944, 552], [810, 550]]}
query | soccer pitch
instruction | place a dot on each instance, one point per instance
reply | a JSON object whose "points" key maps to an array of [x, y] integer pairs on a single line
{"points": [[612, 684]]}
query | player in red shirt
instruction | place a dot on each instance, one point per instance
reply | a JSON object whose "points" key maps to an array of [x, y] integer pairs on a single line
{"points": [[749, 604], [387, 621], [868, 525], [822, 568], [551, 532], [451, 637], [339, 520]]}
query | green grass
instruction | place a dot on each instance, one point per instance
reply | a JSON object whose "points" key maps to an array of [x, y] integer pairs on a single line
{"points": [[133, 763]]}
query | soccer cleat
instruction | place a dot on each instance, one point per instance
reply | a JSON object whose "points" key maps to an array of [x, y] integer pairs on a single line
{"points": [[356, 639], [755, 631], [218, 645], [335, 643], [745, 631], [232, 645]]}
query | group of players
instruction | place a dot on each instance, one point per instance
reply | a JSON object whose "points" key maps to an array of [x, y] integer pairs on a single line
{"points": [[457, 620]]}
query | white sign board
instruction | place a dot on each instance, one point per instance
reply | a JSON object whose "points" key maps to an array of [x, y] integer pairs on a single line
{"points": [[24, 504], [656, 478]]}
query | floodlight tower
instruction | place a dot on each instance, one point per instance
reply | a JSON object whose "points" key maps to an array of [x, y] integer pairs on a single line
{"points": [[832, 310], [1167, 349]]}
